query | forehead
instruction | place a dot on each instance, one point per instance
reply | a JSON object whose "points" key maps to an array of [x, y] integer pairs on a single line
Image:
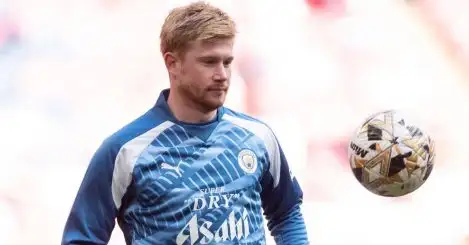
{"points": [[219, 47]]}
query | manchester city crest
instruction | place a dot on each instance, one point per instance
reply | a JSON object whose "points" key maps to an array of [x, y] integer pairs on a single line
{"points": [[247, 160]]}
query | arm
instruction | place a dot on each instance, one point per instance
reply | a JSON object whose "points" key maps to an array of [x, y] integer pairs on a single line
{"points": [[281, 200], [92, 217]]}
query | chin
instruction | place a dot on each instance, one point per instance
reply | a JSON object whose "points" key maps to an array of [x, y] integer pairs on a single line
{"points": [[217, 104], [213, 104]]}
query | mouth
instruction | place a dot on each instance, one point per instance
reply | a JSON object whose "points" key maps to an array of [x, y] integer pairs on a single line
{"points": [[218, 89]]}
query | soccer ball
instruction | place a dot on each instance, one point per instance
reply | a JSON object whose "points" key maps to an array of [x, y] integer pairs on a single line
{"points": [[390, 156]]}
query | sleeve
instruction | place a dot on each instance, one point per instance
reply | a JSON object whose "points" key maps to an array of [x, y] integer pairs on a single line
{"points": [[281, 199], [92, 217]]}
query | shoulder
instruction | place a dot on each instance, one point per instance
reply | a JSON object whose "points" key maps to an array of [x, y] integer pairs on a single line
{"points": [[251, 124], [262, 131], [140, 131]]}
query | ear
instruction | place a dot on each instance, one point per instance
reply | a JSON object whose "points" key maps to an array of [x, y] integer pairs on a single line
{"points": [[171, 62]]}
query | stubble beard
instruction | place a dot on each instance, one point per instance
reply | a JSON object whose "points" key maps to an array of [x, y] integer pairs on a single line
{"points": [[197, 98]]}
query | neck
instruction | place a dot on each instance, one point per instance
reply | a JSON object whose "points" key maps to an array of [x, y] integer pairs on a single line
{"points": [[186, 111]]}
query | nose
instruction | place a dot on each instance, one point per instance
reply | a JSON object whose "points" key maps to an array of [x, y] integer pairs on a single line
{"points": [[221, 74]]}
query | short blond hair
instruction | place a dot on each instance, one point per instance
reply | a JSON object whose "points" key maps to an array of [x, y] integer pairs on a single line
{"points": [[196, 21]]}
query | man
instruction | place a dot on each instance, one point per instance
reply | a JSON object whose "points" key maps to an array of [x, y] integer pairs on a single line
{"points": [[190, 171]]}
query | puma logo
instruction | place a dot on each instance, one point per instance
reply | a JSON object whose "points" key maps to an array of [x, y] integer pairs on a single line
{"points": [[170, 167]]}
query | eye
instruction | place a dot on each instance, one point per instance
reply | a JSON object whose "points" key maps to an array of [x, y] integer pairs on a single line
{"points": [[228, 62], [210, 61]]}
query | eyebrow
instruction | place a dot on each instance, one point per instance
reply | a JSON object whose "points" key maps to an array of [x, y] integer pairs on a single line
{"points": [[214, 57]]}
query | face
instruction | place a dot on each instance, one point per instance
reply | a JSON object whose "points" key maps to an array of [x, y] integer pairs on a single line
{"points": [[203, 74]]}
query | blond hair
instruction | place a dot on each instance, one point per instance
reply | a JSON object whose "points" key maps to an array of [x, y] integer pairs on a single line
{"points": [[196, 21]]}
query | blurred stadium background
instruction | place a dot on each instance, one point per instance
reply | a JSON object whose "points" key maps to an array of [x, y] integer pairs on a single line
{"points": [[73, 72]]}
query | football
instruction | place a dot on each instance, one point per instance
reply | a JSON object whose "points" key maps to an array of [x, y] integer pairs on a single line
{"points": [[389, 155]]}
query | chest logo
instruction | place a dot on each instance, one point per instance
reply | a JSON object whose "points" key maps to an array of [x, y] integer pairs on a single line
{"points": [[247, 160], [173, 168]]}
